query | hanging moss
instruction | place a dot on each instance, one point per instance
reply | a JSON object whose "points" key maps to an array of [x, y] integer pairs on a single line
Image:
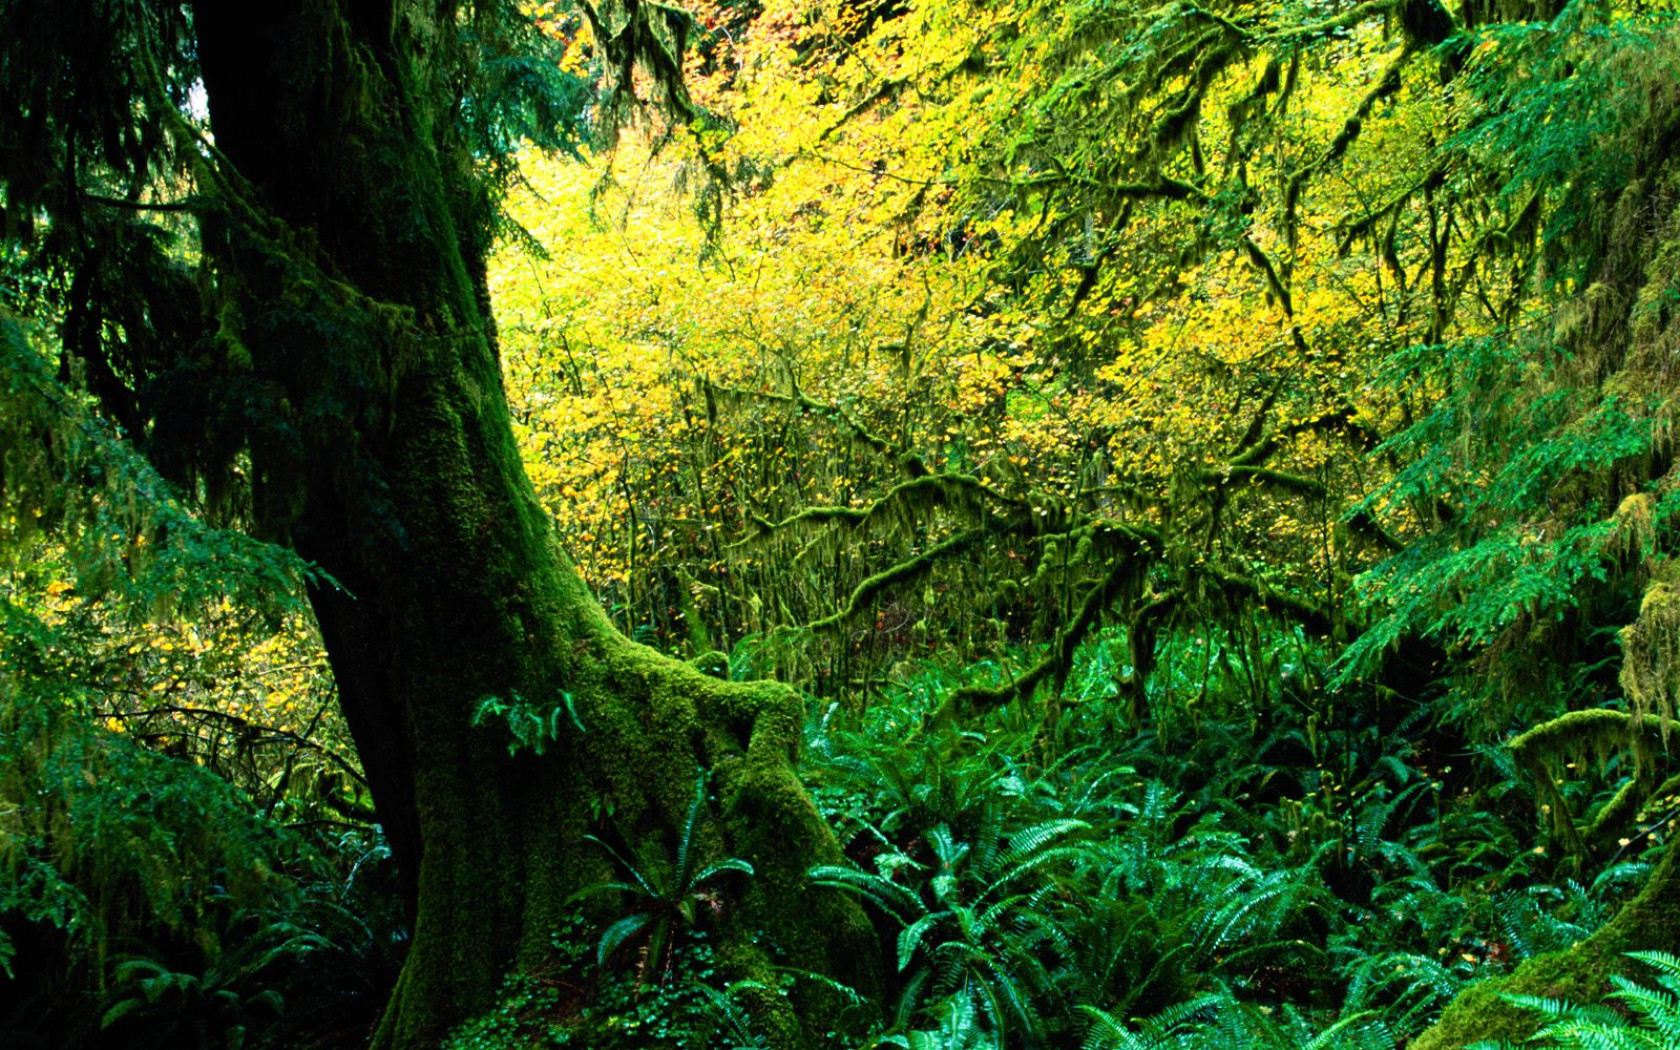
{"points": [[1650, 673], [865, 592]]}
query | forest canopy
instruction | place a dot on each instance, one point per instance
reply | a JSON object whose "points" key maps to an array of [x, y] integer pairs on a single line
{"points": [[921, 523]]}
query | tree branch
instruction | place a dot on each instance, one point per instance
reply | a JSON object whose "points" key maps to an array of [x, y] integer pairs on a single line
{"points": [[897, 574]]}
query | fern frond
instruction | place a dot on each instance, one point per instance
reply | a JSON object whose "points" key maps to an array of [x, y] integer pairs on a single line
{"points": [[620, 932], [687, 844], [716, 868], [892, 898], [644, 884], [910, 938]]}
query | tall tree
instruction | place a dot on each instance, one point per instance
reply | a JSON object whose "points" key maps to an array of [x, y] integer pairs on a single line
{"points": [[287, 309]]}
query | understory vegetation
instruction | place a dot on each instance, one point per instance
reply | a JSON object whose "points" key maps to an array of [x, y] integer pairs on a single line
{"points": [[1208, 471]]}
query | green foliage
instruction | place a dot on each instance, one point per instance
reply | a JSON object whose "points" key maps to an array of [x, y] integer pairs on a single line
{"points": [[1218, 1020], [1309, 880], [218, 1007], [71, 481], [144, 896], [578, 1000], [1562, 109], [517, 1020], [663, 897], [974, 926], [1181, 441], [1648, 1017], [1496, 562], [529, 726]]}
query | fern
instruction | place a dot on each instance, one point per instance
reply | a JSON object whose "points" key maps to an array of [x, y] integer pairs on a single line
{"points": [[529, 726], [663, 900], [1651, 1020], [975, 938]]}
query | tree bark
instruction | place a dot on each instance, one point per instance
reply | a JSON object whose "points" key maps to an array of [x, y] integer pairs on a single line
{"points": [[348, 251]]}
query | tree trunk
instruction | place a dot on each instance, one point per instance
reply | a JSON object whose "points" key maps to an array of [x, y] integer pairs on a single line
{"points": [[352, 269]]}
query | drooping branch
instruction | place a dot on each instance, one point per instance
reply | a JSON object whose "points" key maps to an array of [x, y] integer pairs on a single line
{"points": [[1126, 573], [804, 403], [1346, 20], [1597, 733], [850, 516], [1310, 615], [898, 574], [1280, 479], [962, 492]]}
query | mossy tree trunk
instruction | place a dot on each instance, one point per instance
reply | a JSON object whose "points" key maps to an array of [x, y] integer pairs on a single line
{"points": [[1651, 921], [348, 255]]}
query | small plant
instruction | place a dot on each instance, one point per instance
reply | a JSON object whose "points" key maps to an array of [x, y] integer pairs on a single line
{"points": [[576, 1002], [1219, 1021], [529, 726], [662, 901], [525, 1014], [156, 1005], [975, 935]]}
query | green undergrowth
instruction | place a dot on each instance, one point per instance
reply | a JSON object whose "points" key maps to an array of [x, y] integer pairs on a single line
{"points": [[143, 904], [147, 899], [1320, 871], [1323, 871], [578, 1001]]}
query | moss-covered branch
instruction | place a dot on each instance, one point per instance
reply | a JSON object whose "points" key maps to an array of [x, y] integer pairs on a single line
{"points": [[798, 399], [810, 515], [1387, 83], [1309, 614], [1346, 20], [1580, 975], [1125, 573], [1263, 475], [898, 574], [961, 492], [1595, 734]]}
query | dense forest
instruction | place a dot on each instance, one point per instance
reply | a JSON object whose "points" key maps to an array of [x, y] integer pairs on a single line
{"points": [[796, 524]]}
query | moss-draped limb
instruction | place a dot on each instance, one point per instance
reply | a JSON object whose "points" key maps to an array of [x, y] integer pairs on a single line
{"points": [[1591, 735], [1351, 17], [1342, 419], [1386, 84], [1140, 639], [850, 516], [968, 498], [1597, 729], [1581, 973], [911, 465], [1125, 574], [1650, 675], [962, 493], [1309, 614], [898, 574], [1160, 187], [1264, 475]]}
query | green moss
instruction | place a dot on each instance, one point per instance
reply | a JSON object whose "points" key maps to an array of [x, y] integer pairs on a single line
{"points": [[712, 663], [1580, 975], [649, 721]]}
